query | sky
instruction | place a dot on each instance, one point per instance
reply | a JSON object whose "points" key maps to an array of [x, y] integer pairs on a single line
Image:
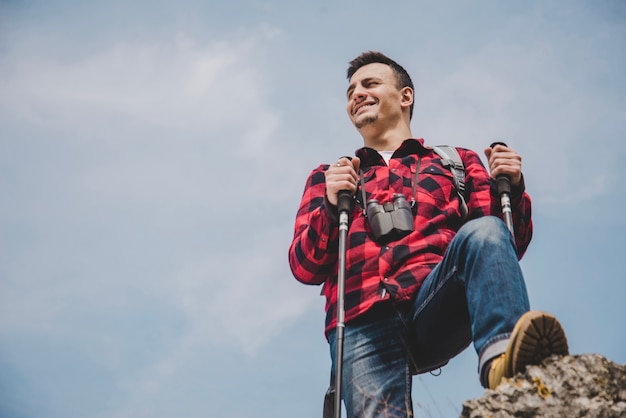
{"points": [[152, 159]]}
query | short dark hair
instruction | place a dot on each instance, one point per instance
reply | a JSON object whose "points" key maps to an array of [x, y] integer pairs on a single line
{"points": [[371, 57]]}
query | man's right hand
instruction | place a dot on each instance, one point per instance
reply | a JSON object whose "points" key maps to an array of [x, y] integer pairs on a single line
{"points": [[342, 175]]}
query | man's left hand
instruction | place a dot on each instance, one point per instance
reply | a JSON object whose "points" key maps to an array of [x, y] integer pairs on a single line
{"points": [[504, 161]]}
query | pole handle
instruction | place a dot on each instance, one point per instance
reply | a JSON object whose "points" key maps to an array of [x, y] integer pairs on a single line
{"points": [[344, 197], [344, 201], [504, 184], [502, 181]]}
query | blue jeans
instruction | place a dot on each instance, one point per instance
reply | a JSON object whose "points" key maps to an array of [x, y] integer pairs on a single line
{"points": [[476, 293]]}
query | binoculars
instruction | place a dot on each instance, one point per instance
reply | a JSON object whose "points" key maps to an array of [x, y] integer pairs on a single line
{"points": [[390, 221]]}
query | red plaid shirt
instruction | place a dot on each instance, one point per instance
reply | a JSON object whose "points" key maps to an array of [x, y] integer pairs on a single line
{"points": [[394, 271]]}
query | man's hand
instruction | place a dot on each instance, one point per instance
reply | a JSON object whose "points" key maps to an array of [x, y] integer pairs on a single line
{"points": [[342, 175], [504, 161]]}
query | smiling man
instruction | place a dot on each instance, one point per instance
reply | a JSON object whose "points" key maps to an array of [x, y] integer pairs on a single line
{"points": [[419, 293]]}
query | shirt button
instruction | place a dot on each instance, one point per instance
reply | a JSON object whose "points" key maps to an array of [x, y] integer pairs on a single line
{"points": [[386, 279]]}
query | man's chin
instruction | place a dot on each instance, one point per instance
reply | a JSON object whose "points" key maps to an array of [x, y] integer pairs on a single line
{"points": [[366, 120]]}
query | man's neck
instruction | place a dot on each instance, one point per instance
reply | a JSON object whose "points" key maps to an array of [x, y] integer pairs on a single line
{"points": [[389, 140]]}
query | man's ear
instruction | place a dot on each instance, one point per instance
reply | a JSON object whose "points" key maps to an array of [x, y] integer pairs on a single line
{"points": [[406, 96]]}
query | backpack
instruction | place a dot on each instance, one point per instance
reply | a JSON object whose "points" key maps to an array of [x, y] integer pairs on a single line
{"points": [[450, 158]]}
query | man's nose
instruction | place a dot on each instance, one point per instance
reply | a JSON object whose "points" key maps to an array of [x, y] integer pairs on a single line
{"points": [[359, 94]]}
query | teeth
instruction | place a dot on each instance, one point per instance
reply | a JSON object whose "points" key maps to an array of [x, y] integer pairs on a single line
{"points": [[363, 107]]}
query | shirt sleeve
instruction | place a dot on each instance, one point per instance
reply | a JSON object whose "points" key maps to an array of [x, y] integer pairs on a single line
{"points": [[522, 214], [483, 200], [313, 251]]}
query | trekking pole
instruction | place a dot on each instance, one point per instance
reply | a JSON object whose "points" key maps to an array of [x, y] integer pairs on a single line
{"points": [[504, 190], [344, 206]]}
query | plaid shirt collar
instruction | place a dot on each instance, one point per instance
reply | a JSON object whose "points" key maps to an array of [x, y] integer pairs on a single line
{"points": [[370, 157]]}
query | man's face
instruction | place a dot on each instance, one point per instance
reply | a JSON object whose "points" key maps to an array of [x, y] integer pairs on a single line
{"points": [[373, 96]]}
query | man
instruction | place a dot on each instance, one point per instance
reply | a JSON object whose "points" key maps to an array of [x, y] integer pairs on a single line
{"points": [[420, 295]]}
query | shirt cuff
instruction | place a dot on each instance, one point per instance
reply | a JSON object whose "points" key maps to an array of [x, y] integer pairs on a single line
{"points": [[331, 211]]}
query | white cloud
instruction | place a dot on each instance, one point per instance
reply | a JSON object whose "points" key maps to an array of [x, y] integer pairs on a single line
{"points": [[242, 296], [197, 86], [528, 96], [155, 136], [159, 123], [234, 300], [210, 94]]}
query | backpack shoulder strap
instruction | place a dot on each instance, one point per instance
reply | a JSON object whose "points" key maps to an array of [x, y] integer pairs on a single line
{"points": [[450, 158]]}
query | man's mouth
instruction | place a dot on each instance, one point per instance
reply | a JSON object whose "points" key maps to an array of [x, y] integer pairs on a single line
{"points": [[362, 106]]}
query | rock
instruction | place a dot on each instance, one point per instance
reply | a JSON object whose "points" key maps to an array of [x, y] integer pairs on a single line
{"points": [[586, 385]]}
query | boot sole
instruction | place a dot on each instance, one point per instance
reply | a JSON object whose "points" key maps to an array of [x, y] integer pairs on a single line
{"points": [[539, 335]]}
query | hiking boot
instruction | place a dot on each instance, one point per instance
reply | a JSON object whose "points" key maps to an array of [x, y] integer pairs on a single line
{"points": [[536, 335]]}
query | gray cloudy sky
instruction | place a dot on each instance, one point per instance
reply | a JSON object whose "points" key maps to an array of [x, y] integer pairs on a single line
{"points": [[153, 155]]}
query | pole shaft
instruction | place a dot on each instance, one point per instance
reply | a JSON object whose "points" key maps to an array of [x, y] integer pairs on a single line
{"points": [[505, 201], [341, 289], [503, 183]]}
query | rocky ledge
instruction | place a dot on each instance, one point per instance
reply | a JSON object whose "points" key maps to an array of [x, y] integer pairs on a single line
{"points": [[585, 385]]}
